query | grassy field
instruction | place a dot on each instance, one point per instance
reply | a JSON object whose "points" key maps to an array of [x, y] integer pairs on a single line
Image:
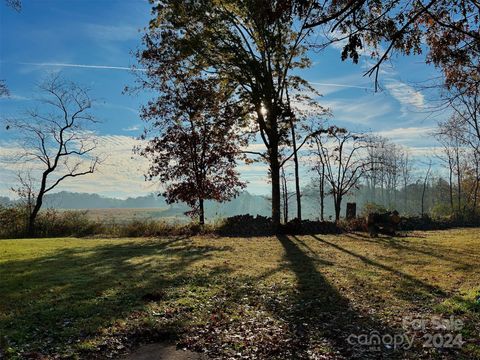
{"points": [[271, 297], [120, 216]]}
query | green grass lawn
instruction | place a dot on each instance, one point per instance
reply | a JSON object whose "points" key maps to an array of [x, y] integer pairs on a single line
{"points": [[269, 297]]}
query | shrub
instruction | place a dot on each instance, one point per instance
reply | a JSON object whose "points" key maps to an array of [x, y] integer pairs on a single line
{"points": [[369, 208], [357, 224], [52, 223], [13, 221], [245, 225], [441, 210], [49, 223]]}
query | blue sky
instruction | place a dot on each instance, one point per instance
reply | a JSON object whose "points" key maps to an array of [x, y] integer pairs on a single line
{"points": [[91, 42]]}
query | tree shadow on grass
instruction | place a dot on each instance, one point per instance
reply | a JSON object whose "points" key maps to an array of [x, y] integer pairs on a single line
{"points": [[410, 288], [71, 294], [51, 301], [323, 318], [435, 252]]}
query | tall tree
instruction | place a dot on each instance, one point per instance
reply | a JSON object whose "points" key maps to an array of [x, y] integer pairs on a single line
{"points": [[56, 139], [251, 45], [295, 149], [285, 194], [304, 109], [193, 143], [319, 168]]}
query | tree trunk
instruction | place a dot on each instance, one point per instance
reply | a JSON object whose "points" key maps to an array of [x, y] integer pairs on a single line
{"points": [[275, 176], [31, 225], [33, 216], [201, 215], [450, 185], [423, 194], [284, 195], [338, 208], [297, 177], [38, 203], [422, 203], [383, 192], [477, 185], [322, 193], [475, 194], [459, 184]]}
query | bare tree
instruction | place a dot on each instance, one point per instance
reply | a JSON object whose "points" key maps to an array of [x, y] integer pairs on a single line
{"points": [[472, 180], [286, 195], [345, 162], [451, 134], [25, 190], [406, 173], [385, 159], [447, 157], [374, 154], [297, 177], [320, 169], [424, 188], [301, 108], [55, 139], [467, 107]]}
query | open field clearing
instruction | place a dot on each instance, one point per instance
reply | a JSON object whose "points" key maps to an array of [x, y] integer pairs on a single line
{"points": [[126, 215], [269, 297]]}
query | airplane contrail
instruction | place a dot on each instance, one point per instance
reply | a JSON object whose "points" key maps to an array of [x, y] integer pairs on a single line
{"points": [[107, 67], [340, 85]]}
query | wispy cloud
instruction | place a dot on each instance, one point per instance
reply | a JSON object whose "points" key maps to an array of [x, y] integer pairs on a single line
{"points": [[424, 153], [85, 66], [14, 97], [112, 32], [414, 136], [407, 132], [120, 107], [132, 128], [405, 94], [327, 86], [363, 111]]}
